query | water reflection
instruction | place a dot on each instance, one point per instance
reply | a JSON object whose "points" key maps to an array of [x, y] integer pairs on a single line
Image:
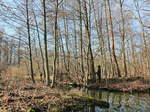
{"points": [[119, 102]]}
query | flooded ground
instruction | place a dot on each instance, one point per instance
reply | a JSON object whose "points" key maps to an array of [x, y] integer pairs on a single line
{"points": [[119, 102]]}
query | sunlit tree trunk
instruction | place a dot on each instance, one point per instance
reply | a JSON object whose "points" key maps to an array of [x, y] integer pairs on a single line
{"points": [[39, 42], [67, 45], [108, 41], [90, 53], [113, 38], [81, 40], [123, 37]]}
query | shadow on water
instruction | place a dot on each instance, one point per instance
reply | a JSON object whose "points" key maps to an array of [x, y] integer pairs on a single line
{"points": [[119, 102]]}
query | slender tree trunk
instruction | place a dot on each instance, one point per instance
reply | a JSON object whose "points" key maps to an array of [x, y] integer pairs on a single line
{"points": [[45, 45], [40, 45], [113, 39], [11, 53], [67, 44], [90, 53], [81, 39], [75, 38], [108, 40], [63, 50], [123, 38], [56, 44], [36, 54], [29, 42], [133, 56], [19, 45]]}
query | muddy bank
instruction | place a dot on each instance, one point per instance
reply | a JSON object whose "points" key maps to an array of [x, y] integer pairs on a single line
{"points": [[135, 84]]}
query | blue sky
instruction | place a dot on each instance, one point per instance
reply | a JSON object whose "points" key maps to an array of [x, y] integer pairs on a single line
{"points": [[10, 30]]}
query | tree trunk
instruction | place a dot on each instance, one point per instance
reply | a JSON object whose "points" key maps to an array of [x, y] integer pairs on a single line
{"points": [[108, 41], [40, 45], [56, 44], [123, 38], [29, 42], [45, 45], [90, 53], [81, 40], [113, 39]]}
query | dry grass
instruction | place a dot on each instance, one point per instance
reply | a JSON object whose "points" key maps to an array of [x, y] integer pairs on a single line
{"points": [[16, 71], [137, 85]]}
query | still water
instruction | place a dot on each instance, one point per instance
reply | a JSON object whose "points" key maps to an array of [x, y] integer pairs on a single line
{"points": [[119, 102]]}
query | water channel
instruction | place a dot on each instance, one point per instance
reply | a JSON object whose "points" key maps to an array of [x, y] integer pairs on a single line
{"points": [[119, 102]]}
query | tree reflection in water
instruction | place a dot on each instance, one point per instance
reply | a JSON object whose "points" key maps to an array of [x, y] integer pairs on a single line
{"points": [[119, 102]]}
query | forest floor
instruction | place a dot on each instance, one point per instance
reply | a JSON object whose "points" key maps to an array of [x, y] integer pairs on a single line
{"points": [[21, 95]]}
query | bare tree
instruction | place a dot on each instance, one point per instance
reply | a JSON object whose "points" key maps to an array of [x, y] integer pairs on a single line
{"points": [[88, 35], [45, 45], [123, 37], [113, 38], [29, 42]]}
